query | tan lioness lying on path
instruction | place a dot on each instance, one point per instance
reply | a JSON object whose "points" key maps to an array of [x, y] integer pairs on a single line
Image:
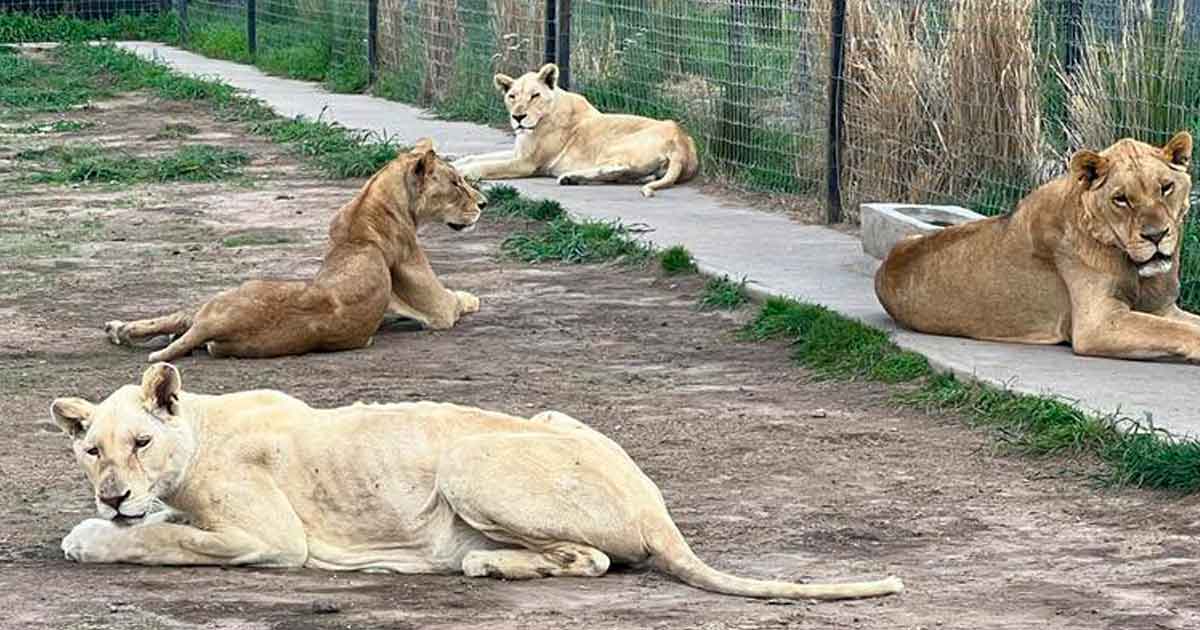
{"points": [[561, 135], [374, 265], [263, 479], [1091, 258]]}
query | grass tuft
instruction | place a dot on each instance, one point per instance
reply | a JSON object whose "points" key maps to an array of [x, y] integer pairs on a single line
{"points": [[677, 260], [175, 131], [92, 163], [507, 202], [834, 346], [563, 239], [255, 239], [57, 126], [723, 294]]}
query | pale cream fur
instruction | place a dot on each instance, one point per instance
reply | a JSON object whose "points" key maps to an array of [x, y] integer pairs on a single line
{"points": [[560, 134], [261, 478]]}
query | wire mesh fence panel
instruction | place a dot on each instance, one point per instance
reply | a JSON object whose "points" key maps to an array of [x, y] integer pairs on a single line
{"points": [[443, 53], [316, 40], [217, 28], [64, 20], [86, 9], [747, 78]]}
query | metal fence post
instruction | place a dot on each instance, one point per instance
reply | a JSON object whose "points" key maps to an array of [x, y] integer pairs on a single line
{"points": [[550, 46], [1073, 33], [372, 41], [252, 28], [735, 91], [563, 46], [833, 146], [183, 22]]}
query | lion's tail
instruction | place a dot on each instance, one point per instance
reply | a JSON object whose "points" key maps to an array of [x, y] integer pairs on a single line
{"points": [[671, 554], [683, 163]]}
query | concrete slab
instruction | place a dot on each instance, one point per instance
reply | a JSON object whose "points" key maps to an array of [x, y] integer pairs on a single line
{"points": [[777, 255]]}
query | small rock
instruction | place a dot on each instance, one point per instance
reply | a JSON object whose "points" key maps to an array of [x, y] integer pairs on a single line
{"points": [[325, 607], [817, 413]]}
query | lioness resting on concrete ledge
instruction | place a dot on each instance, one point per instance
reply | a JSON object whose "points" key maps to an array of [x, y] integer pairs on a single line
{"points": [[561, 135], [374, 265], [260, 478], [1091, 258]]}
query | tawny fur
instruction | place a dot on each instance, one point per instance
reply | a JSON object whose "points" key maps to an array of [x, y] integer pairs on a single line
{"points": [[260, 478], [560, 134], [374, 265], [1091, 258]]}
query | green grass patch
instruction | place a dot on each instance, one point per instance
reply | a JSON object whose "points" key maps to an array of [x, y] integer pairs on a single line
{"points": [[175, 131], [91, 163], [835, 346], [565, 240], [676, 260], [18, 26], [506, 201], [255, 239], [1189, 271], [1132, 452], [24, 241], [336, 151], [723, 294], [57, 126]]}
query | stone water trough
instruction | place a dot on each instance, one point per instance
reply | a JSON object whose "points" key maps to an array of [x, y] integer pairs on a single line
{"points": [[885, 224]]}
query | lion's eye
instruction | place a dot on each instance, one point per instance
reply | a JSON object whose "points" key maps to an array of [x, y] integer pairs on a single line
{"points": [[511, 96], [535, 95], [93, 451], [1121, 200], [141, 442], [1167, 188]]}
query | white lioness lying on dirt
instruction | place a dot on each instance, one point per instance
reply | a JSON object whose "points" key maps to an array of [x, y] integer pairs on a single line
{"points": [[560, 134], [263, 479], [374, 265]]}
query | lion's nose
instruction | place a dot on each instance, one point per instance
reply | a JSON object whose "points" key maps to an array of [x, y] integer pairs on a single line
{"points": [[518, 117], [1155, 234], [115, 502], [482, 203]]}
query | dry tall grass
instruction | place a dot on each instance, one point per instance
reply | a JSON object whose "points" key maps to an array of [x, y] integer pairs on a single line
{"points": [[927, 117], [1127, 83], [519, 26], [443, 33]]}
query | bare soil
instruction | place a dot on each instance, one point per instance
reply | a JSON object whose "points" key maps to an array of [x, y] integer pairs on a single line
{"points": [[769, 472]]}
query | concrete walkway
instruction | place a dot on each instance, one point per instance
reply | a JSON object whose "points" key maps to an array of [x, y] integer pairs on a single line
{"points": [[776, 254]]}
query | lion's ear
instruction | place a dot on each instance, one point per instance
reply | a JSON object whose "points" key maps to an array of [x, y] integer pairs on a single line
{"points": [[424, 145], [1089, 167], [423, 165], [72, 415], [549, 75], [502, 82], [160, 388], [1178, 151]]}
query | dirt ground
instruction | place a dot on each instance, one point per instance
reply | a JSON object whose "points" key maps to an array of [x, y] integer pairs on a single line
{"points": [[769, 472]]}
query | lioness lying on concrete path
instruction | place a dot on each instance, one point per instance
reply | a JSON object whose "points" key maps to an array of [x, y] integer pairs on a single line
{"points": [[374, 265], [420, 487], [560, 134], [1091, 258]]}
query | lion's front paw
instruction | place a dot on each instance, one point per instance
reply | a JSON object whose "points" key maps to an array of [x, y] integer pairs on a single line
{"points": [[647, 192], [466, 302], [89, 541], [115, 331]]}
